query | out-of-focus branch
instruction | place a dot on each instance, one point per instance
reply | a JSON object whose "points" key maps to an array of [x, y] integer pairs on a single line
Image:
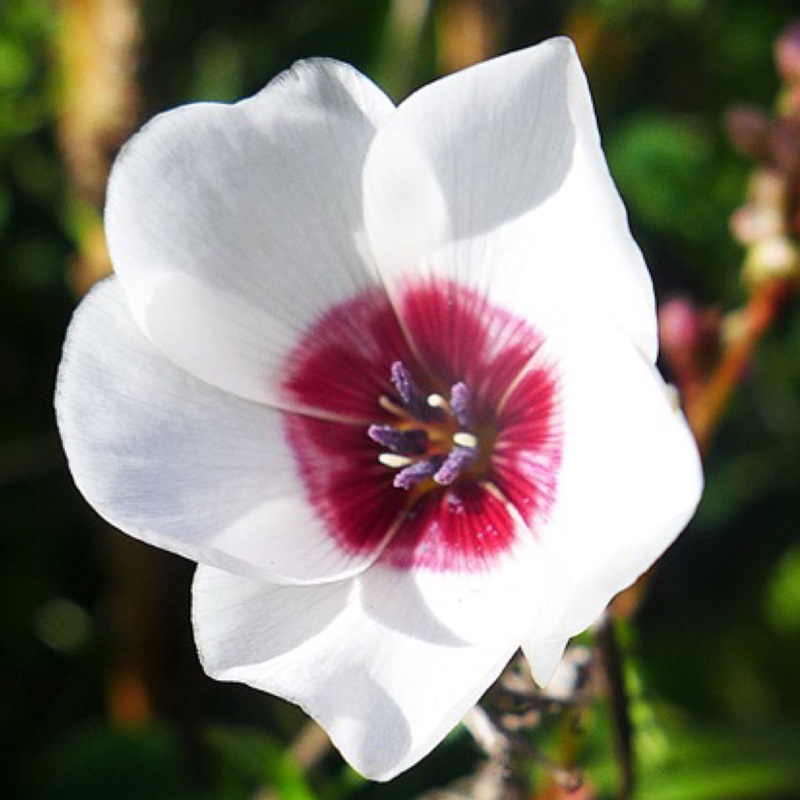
{"points": [[768, 227], [709, 353], [613, 672], [402, 45], [707, 406], [468, 32], [97, 54]]}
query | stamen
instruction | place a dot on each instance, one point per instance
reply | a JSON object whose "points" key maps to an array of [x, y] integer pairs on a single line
{"points": [[465, 439], [457, 459], [427, 428], [407, 443], [416, 473], [460, 402], [402, 381], [394, 461], [389, 405], [436, 401], [407, 389]]}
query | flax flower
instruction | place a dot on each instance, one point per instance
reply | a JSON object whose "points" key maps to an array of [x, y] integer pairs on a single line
{"points": [[388, 375]]}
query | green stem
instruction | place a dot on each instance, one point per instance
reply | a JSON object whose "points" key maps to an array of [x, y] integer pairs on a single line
{"points": [[611, 662]]}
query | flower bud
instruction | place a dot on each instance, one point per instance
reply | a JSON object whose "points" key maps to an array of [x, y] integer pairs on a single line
{"points": [[752, 222], [784, 141], [690, 339], [789, 101], [748, 130], [776, 258], [787, 54], [768, 188]]}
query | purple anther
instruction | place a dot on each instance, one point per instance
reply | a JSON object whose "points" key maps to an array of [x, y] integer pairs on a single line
{"points": [[457, 459], [405, 443], [416, 473], [460, 403], [404, 383], [409, 392]]}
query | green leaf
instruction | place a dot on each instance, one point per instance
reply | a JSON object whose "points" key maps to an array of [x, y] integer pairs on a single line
{"points": [[247, 760], [783, 593], [725, 764], [98, 763], [659, 161]]}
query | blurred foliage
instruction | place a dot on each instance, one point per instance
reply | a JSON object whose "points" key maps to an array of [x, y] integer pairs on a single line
{"points": [[714, 667], [246, 760]]}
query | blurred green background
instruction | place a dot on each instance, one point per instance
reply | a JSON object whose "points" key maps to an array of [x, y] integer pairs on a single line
{"points": [[101, 695]]}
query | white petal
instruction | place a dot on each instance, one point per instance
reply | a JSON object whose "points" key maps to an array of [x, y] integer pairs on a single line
{"points": [[178, 463], [364, 657], [505, 598], [631, 476], [544, 657], [234, 228], [494, 177]]}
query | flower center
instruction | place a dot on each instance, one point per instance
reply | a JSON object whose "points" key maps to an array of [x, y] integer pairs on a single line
{"points": [[430, 439], [467, 423]]}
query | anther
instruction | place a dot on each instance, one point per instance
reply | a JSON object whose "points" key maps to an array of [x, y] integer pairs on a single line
{"points": [[436, 401], [465, 439], [432, 438], [457, 459], [407, 389], [394, 461], [416, 473], [460, 402], [407, 443]]}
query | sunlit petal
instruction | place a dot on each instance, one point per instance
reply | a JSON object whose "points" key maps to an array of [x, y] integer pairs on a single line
{"points": [[630, 479], [232, 228], [181, 464], [364, 657], [494, 177]]}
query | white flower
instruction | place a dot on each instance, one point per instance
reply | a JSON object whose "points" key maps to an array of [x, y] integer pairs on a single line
{"points": [[388, 375]]}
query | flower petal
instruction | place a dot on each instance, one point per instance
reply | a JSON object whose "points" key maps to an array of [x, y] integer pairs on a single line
{"points": [[544, 656], [364, 657], [233, 228], [630, 475], [181, 464], [492, 596], [494, 177]]}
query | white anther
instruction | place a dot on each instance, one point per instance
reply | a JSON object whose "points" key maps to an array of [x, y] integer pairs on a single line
{"points": [[394, 461], [465, 439], [436, 401]]}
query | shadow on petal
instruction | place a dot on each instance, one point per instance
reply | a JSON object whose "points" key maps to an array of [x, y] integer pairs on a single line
{"points": [[364, 722], [392, 598], [240, 621]]}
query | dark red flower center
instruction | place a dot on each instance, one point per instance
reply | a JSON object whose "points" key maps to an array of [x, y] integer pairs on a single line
{"points": [[429, 440], [430, 428]]}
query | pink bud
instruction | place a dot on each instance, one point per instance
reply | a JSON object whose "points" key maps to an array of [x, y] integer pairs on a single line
{"points": [[748, 130], [753, 222], [690, 339], [769, 188], [787, 53], [785, 145], [680, 324]]}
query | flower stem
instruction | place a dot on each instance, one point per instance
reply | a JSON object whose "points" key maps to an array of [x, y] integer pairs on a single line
{"points": [[705, 408], [611, 660]]}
